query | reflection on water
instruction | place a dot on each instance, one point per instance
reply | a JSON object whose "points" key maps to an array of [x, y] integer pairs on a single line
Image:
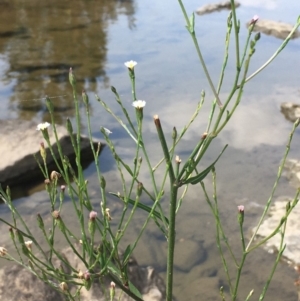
{"points": [[41, 41]]}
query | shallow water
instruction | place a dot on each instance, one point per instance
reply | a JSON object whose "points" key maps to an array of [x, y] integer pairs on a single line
{"points": [[43, 41]]}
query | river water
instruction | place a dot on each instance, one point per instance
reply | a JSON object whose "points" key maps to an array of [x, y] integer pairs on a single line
{"points": [[39, 41]]}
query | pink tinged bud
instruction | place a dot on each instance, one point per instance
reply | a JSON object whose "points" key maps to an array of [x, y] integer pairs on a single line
{"points": [[241, 208], [56, 214], [93, 215], [63, 188], [86, 275], [254, 19]]}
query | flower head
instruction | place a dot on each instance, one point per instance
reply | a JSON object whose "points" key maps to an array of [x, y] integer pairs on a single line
{"points": [[139, 104], [254, 19], [86, 275], [28, 244], [241, 208], [107, 131], [130, 64], [93, 215], [3, 251], [63, 286], [42, 126]]}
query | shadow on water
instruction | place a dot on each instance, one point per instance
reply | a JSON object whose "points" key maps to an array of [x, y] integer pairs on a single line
{"points": [[41, 41]]}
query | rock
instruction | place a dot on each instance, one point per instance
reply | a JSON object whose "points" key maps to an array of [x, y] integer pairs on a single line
{"points": [[210, 8], [277, 29], [292, 234], [20, 141], [17, 283], [292, 171], [291, 111]]}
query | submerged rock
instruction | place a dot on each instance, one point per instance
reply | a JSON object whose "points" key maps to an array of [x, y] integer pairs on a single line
{"points": [[20, 141], [291, 111], [210, 8], [277, 29], [292, 171], [17, 283], [292, 233]]}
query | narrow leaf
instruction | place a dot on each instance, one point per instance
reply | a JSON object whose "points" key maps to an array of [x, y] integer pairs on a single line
{"points": [[198, 178]]}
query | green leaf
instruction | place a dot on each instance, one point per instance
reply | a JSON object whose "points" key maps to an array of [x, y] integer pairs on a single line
{"points": [[198, 178], [192, 23], [135, 290], [126, 254], [141, 206]]}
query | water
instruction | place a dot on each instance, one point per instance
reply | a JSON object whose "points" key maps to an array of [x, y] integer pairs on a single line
{"points": [[39, 43]]}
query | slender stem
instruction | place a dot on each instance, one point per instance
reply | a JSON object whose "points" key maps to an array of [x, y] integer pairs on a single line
{"points": [[281, 47]]}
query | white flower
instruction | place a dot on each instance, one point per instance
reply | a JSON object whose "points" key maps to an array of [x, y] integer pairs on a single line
{"points": [[107, 131], [254, 19], [42, 126], [130, 64], [28, 244], [139, 104]]}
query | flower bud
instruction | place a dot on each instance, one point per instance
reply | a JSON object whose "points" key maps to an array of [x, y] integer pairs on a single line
{"points": [[139, 189], [40, 221], [93, 215], [43, 151], [241, 210], [56, 214], [69, 127], [92, 222], [177, 160], [3, 251], [102, 182], [49, 104], [257, 36], [85, 98], [72, 78], [63, 286], [107, 214], [55, 175], [11, 233], [112, 290], [28, 245], [174, 133]]}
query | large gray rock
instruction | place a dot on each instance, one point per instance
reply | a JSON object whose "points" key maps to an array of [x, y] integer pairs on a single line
{"points": [[210, 8], [20, 141], [277, 29], [19, 284], [291, 111]]}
